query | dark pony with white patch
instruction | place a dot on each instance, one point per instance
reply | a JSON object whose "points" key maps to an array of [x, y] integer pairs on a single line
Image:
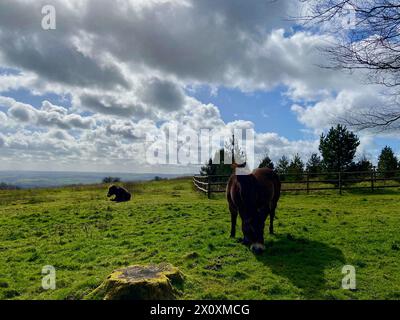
{"points": [[254, 197]]}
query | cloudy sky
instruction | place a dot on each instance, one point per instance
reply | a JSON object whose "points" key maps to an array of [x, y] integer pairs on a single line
{"points": [[95, 92]]}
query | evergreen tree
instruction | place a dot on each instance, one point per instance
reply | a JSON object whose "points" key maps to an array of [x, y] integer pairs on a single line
{"points": [[314, 164], [359, 168], [387, 162], [111, 180], [208, 169], [221, 167], [338, 148], [296, 168], [217, 166], [362, 165], [266, 162], [282, 167]]}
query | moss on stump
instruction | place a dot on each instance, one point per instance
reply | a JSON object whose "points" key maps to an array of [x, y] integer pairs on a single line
{"points": [[150, 282]]}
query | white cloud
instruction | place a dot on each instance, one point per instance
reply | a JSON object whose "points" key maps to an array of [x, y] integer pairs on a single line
{"points": [[48, 116], [114, 140], [3, 120], [17, 110], [131, 57], [128, 68], [276, 146], [151, 51], [330, 110], [14, 81]]}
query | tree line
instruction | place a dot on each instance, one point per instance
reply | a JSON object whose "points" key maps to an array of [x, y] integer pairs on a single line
{"points": [[6, 186], [337, 150]]}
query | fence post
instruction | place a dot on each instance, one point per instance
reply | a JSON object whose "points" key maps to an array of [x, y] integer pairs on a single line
{"points": [[372, 179], [340, 182], [308, 183], [208, 187]]}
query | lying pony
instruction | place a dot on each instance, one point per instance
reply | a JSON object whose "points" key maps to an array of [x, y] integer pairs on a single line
{"points": [[121, 194]]}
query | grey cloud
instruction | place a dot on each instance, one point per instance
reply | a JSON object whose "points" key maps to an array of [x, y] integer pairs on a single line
{"points": [[151, 98], [55, 59], [60, 135], [203, 41], [103, 45], [129, 131], [22, 113], [162, 94], [68, 122], [52, 54], [78, 122], [107, 104], [125, 132]]}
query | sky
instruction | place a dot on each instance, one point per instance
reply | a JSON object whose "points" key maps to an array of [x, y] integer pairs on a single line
{"points": [[99, 90]]}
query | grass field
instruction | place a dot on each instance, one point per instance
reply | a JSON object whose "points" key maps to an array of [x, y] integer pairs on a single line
{"points": [[85, 237]]}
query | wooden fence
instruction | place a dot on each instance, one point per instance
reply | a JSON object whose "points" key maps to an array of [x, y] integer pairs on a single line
{"points": [[313, 181]]}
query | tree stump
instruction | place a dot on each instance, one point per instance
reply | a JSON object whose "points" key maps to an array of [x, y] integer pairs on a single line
{"points": [[151, 282]]}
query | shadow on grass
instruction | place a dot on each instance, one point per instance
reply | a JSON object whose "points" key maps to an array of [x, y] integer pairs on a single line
{"points": [[302, 262]]}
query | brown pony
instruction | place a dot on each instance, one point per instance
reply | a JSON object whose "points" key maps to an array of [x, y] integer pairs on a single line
{"points": [[253, 196], [121, 194]]}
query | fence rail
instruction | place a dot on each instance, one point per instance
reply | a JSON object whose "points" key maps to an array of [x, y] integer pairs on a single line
{"points": [[308, 181]]}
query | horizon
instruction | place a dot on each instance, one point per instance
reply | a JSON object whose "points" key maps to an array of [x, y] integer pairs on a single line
{"points": [[49, 179], [99, 172]]}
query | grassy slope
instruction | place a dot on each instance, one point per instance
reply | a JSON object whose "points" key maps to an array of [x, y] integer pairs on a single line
{"points": [[86, 237]]}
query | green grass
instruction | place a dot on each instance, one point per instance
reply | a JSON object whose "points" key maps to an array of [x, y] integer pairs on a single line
{"points": [[85, 237]]}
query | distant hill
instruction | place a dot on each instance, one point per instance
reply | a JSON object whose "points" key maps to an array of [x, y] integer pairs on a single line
{"points": [[43, 179]]}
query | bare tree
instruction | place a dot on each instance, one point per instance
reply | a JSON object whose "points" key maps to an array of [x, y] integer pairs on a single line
{"points": [[234, 150], [371, 42]]}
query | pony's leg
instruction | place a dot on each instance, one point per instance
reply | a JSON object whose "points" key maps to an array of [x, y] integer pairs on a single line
{"points": [[271, 220], [234, 214]]}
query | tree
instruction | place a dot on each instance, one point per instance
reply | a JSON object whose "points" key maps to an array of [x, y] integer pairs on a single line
{"points": [[387, 162], [217, 165], [221, 163], [158, 178], [111, 180], [338, 148], [266, 162], [239, 154], [296, 168], [282, 167], [371, 43], [208, 169], [314, 164], [358, 169], [362, 165], [5, 186]]}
